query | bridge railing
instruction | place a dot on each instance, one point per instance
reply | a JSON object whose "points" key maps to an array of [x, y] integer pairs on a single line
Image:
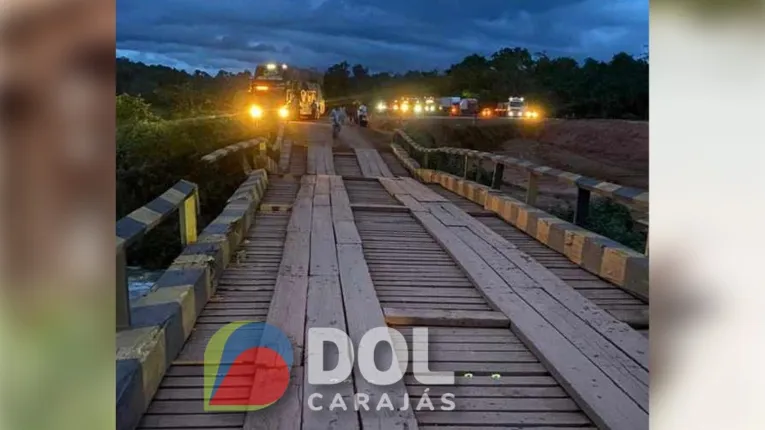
{"points": [[633, 198], [182, 197], [253, 153]]}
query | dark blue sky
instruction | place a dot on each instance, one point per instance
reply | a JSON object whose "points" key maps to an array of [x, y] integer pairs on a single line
{"points": [[385, 35]]}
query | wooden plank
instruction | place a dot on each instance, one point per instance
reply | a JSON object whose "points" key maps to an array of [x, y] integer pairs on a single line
{"points": [[376, 165], [488, 381], [511, 405], [363, 313], [322, 184], [285, 414], [383, 166], [603, 401], [393, 186], [443, 215], [420, 191], [344, 226], [617, 332], [325, 309], [346, 232], [470, 356], [379, 208], [311, 160], [323, 260], [191, 421], [637, 318], [449, 318], [521, 419], [364, 163], [287, 309], [341, 205], [534, 392]]}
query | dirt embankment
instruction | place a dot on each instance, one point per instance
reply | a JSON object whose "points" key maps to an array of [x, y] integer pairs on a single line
{"points": [[611, 150]]}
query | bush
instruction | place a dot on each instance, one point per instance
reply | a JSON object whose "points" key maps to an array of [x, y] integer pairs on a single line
{"points": [[609, 219], [133, 109], [153, 155]]}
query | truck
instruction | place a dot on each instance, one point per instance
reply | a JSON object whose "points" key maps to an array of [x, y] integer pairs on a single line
{"points": [[517, 108], [277, 93], [309, 102], [468, 107], [447, 105]]}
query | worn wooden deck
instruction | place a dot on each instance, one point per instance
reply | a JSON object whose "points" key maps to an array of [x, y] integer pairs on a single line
{"points": [[348, 240]]}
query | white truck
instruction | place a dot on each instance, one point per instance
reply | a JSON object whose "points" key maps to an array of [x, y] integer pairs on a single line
{"points": [[516, 108]]}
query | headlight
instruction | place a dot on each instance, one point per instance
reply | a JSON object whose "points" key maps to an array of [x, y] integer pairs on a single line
{"points": [[404, 108], [535, 114], [418, 108], [381, 106], [284, 112], [256, 112]]}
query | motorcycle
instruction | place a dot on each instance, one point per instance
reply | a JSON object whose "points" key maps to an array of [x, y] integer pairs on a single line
{"points": [[335, 130], [363, 120]]}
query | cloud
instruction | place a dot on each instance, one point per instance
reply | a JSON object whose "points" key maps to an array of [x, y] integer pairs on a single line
{"points": [[395, 35]]}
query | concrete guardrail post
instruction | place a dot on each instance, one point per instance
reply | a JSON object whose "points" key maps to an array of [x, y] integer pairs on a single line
{"points": [[582, 207], [499, 172], [533, 189]]}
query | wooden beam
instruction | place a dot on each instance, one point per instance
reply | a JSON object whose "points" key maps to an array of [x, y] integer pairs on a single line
{"points": [[325, 310], [448, 318], [285, 414]]}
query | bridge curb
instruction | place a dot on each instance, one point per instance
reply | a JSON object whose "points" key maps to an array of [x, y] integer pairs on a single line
{"points": [[164, 318], [597, 254]]}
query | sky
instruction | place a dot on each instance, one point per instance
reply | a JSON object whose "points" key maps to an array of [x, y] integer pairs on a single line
{"points": [[383, 35]]}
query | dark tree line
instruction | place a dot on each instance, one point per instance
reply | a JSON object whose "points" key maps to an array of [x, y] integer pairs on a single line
{"points": [[560, 86], [176, 93]]}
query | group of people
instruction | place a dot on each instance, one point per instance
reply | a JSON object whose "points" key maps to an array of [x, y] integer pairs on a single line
{"points": [[340, 114]]}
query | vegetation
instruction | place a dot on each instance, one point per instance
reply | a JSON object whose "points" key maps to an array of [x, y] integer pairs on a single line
{"points": [[154, 154], [561, 87], [174, 93]]}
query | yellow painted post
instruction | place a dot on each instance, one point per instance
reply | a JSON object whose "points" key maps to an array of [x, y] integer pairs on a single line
{"points": [[188, 217], [531, 192], [263, 147]]}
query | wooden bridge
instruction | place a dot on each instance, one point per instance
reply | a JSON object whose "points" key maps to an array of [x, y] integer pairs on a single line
{"points": [[544, 323]]}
